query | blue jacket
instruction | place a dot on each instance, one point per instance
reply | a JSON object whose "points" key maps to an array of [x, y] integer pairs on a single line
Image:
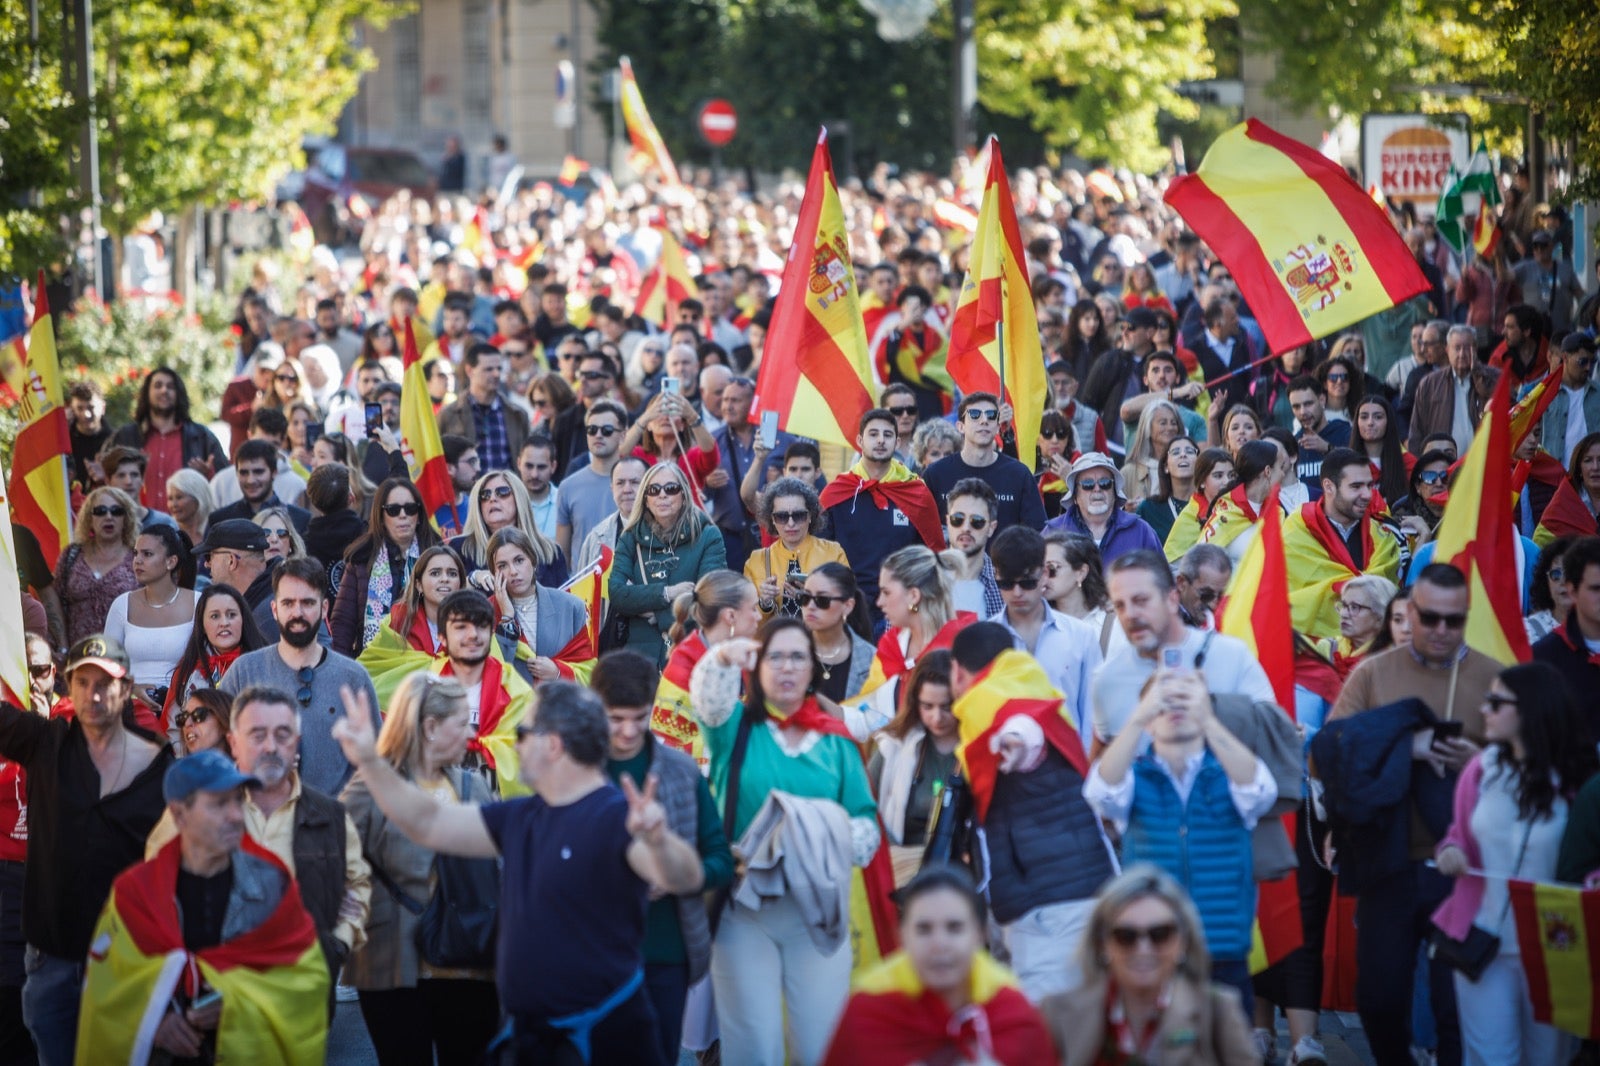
{"points": [[1127, 532], [1044, 841]]}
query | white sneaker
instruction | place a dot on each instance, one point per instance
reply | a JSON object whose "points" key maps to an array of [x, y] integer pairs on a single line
{"points": [[343, 993], [1308, 1049], [1266, 1044]]}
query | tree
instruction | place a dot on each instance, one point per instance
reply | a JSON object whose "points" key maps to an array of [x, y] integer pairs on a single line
{"points": [[1551, 48]]}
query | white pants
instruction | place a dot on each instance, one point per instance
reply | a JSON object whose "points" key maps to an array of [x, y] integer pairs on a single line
{"points": [[1497, 1026], [1044, 947], [763, 966]]}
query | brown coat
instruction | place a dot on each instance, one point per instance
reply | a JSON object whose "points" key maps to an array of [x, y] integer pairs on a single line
{"points": [[1200, 1027], [457, 418], [1435, 408]]}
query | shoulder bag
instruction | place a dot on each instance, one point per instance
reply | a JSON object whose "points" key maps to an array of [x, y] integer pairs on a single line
{"points": [[1472, 954]]}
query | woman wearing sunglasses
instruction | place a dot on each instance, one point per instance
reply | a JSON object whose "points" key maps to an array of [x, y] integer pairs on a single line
{"points": [[1341, 383], [372, 576], [283, 540], [1417, 513], [790, 512], [223, 629], [500, 501], [1056, 452], [832, 608], [666, 545], [203, 723], [1147, 994], [97, 566]]}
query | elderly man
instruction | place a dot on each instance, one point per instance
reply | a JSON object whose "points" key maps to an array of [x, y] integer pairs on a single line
{"points": [[1095, 495], [1453, 402], [252, 984], [1202, 576]]}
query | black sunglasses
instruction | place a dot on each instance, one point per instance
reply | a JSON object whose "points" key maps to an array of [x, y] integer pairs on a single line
{"points": [[41, 669], [198, 715], [671, 488], [108, 511], [395, 510], [1006, 584], [498, 492], [958, 520], [593, 375], [987, 414], [902, 412], [305, 675], [1053, 434], [1105, 484], [821, 599], [1127, 936], [1433, 619], [601, 431]]}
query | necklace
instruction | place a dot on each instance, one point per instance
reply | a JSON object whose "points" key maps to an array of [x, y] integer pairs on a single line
{"points": [[833, 658], [158, 606]]}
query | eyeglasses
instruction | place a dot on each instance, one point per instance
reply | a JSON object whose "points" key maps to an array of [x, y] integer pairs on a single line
{"points": [[1053, 434], [275, 532], [1206, 596], [305, 675], [593, 375], [1433, 620], [787, 658], [671, 488], [987, 414], [903, 412], [198, 715], [1586, 362], [498, 492], [1006, 584], [109, 511], [1432, 477], [790, 518], [512, 353], [958, 520], [1338, 377], [395, 510], [821, 599], [1128, 936], [41, 669], [601, 431], [287, 377], [1557, 574], [1350, 607], [1105, 484], [1496, 703]]}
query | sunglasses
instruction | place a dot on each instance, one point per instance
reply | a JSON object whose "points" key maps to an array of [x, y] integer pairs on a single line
{"points": [[1105, 484], [1206, 596], [1338, 377], [903, 412], [821, 599], [275, 532], [1127, 936], [1053, 434], [1496, 703], [1433, 619], [669, 489], [499, 492], [958, 520], [395, 510], [1557, 574], [593, 375], [790, 518], [40, 669], [198, 715], [287, 377], [601, 431], [305, 675], [1006, 584], [988, 414], [109, 512], [1586, 362], [1432, 477]]}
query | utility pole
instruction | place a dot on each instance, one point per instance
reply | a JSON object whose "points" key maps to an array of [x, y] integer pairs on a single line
{"points": [[77, 76], [964, 79]]}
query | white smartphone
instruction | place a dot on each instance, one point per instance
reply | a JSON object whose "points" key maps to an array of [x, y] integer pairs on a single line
{"points": [[672, 386], [769, 430]]}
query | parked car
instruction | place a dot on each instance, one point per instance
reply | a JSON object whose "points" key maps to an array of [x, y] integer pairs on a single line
{"points": [[342, 184]]}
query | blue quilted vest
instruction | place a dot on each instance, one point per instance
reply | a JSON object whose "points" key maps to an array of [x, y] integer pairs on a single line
{"points": [[1203, 844]]}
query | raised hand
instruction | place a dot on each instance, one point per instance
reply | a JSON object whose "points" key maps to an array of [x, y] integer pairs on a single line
{"points": [[354, 731], [740, 652], [647, 819]]}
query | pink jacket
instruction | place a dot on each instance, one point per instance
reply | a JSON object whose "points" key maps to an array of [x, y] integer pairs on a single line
{"points": [[1455, 914]]}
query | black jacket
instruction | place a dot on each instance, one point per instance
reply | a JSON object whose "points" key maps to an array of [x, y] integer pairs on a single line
{"points": [[198, 443], [1106, 390], [319, 864], [248, 511], [328, 535], [1044, 841], [1565, 650]]}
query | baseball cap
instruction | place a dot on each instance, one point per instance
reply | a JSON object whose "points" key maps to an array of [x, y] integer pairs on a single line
{"points": [[1143, 318], [1577, 342], [1542, 237], [233, 534], [102, 651], [204, 771]]}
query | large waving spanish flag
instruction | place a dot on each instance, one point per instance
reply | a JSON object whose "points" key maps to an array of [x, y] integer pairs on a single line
{"points": [[818, 375], [649, 150], [994, 338], [41, 486], [1475, 535], [273, 980], [668, 284], [1310, 251], [1558, 931], [1013, 684], [419, 433]]}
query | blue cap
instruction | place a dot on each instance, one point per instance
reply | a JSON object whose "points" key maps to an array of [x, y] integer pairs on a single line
{"points": [[204, 771]]}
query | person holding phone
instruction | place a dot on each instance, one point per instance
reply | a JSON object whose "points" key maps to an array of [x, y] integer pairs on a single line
{"points": [[790, 512]]}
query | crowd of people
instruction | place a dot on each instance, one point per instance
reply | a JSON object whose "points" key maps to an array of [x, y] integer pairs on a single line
{"points": [[315, 743]]}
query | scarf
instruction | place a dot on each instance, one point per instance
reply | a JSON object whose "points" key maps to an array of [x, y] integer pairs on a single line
{"points": [[809, 715], [383, 589], [207, 673], [898, 487]]}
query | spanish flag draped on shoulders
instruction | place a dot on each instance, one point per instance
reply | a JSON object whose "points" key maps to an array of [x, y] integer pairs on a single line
{"points": [[1186, 528], [672, 716], [272, 978], [899, 488], [892, 1020], [1233, 515], [879, 699], [1012, 686], [1320, 563]]}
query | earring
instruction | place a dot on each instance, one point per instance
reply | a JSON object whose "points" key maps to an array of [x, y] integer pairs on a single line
{"points": [[915, 607]]}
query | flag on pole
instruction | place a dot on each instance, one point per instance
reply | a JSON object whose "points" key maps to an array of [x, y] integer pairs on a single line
{"points": [[818, 375], [1558, 932], [572, 168], [1475, 536], [41, 487], [994, 337], [1480, 178], [668, 284], [593, 587], [1525, 416], [419, 434], [1448, 214], [649, 150], [1310, 251], [475, 237]]}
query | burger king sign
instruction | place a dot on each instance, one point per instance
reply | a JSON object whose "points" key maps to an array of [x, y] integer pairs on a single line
{"points": [[1409, 156]]}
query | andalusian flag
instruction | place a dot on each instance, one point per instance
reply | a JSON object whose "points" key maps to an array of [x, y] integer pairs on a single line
{"points": [[1256, 611], [820, 379], [419, 434], [1476, 536], [1448, 213], [994, 338], [649, 150], [593, 587], [1013, 684], [668, 284], [1310, 251], [1558, 931], [41, 485], [672, 718], [273, 979]]}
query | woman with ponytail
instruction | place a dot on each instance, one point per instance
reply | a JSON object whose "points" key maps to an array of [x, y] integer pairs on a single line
{"points": [[721, 606]]}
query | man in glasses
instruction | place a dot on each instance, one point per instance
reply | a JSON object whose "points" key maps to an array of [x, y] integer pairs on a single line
{"points": [[1017, 499], [1396, 887], [1202, 577], [312, 672], [585, 498], [1575, 411], [968, 527], [236, 551], [597, 380], [900, 401], [1335, 538], [1093, 507], [484, 415]]}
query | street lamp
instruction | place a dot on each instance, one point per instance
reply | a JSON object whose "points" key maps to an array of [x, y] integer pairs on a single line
{"points": [[901, 20]]}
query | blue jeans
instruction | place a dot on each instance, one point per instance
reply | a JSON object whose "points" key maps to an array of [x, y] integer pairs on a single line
{"points": [[667, 985], [1235, 974], [50, 999]]}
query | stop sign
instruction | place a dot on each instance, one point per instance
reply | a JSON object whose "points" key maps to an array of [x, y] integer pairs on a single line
{"points": [[718, 122]]}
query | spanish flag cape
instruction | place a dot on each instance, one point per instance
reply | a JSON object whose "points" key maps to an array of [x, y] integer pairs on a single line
{"points": [[892, 1020], [1185, 532], [672, 717], [900, 488], [1322, 665], [1566, 515], [890, 661], [273, 979], [919, 358], [574, 660], [1013, 684], [1233, 514], [506, 702], [1320, 564]]}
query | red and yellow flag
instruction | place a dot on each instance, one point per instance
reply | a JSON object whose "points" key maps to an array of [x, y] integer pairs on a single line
{"points": [[593, 587], [819, 377], [1558, 931], [1310, 251], [668, 284], [1528, 412], [475, 237], [419, 434], [572, 168], [1485, 233], [1476, 534], [672, 716], [1566, 515], [994, 338], [649, 150], [41, 486], [1013, 684]]}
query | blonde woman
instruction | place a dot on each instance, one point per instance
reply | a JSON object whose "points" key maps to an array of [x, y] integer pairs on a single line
{"points": [[409, 1006], [1159, 425], [915, 588], [189, 503], [500, 501], [283, 540], [97, 566]]}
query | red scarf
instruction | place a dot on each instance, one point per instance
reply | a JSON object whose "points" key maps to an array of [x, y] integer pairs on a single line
{"points": [[210, 667], [810, 716], [493, 702], [1051, 482], [1322, 528], [910, 495], [894, 659], [1241, 500]]}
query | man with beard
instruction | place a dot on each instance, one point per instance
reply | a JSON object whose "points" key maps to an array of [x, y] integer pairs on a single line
{"points": [[536, 465], [298, 664], [308, 830], [163, 430]]}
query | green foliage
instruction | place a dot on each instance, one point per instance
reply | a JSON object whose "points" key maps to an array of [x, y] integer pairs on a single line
{"points": [[38, 123], [1553, 47]]}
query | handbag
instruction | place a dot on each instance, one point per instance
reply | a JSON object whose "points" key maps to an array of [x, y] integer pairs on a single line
{"points": [[456, 928], [1472, 954]]}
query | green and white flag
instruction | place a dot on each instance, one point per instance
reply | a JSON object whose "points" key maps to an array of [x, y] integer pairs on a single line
{"points": [[1448, 215], [1480, 178]]}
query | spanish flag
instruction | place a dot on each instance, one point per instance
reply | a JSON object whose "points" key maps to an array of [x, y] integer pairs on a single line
{"points": [[41, 486], [668, 284], [1013, 684], [1320, 563], [273, 980], [820, 378], [1529, 411], [1310, 251], [649, 150], [14, 659], [994, 338], [1232, 516], [507, 702], [1476, 534], [419, 434], [672, 718], [593, 587], [1558, 931], [572, 168], [1565, 515]]}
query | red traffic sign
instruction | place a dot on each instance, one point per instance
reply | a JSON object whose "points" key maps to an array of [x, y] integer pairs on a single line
{"points": [[717, 121]]}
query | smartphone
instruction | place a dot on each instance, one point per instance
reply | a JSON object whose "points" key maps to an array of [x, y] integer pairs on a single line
{"points": [[374, 413], [671, 386], [314, 430], [769, 430], [1171, 658], [209, 999], [1448, 730]]}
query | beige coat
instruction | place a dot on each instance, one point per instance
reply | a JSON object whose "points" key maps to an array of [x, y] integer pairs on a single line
{"points": [[1200, 1027]]}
